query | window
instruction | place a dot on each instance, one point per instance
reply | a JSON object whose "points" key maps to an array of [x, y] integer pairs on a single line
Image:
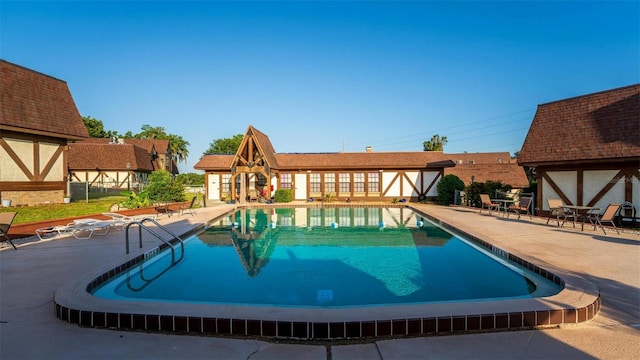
{"points": [[314, 183], [345, 183], [374, 182], [330, 183], [226, 183], [285, 181], [358, 182]]}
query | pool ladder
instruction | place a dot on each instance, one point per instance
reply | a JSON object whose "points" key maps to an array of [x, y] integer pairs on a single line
{"points": [[169, 243]]}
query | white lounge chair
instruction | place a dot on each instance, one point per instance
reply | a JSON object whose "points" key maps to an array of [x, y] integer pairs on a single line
{"points": [[128, 219], [79, 229]]}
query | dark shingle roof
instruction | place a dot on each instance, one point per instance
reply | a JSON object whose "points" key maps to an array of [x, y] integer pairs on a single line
{"points": [[325, 161], [34, 103], [92, 156], [594, 127]]}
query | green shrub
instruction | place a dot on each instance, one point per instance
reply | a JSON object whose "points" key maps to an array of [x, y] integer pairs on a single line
{"points": [[283, 196], [134, 200], [490, 187], [162, 188], [447, 187]]}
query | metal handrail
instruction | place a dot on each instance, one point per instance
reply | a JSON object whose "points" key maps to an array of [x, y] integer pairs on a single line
{"points": [[142, 226], [144, 279]]}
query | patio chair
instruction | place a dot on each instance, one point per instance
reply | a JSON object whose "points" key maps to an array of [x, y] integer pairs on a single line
{"points": [[608, 216], [524, 205], [557, 210], [189, 208], [486, 203], [253, 195], [6, 219], [163, 208]]}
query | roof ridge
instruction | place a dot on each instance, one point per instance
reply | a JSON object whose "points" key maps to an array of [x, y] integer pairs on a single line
{"points": [[33, 71], [591, 94]]}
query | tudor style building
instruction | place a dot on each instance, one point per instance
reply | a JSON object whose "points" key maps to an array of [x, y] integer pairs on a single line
{"points": [[38, 118], [118, 163], [257, 170], [586, 149]]}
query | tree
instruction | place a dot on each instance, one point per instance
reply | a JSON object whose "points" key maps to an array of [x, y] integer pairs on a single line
{"points": [[177, 144], [447, 187], [224, 145], [94, 126], [531, 172], [162, 188], [436, 143], [150, 132], [190, 179]]}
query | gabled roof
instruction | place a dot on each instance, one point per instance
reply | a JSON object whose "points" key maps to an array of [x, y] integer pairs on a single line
{"points": [[264, 143], [160, 146], [35, 103], [92, 156], [255, 149], [603, 126], [152, 146]]}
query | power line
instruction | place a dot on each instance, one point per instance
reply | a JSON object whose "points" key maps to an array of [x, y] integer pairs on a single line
{"points": [[414, 137]]}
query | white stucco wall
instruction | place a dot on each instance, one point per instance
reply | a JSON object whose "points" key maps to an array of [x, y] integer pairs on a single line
{"points": [[566, 181], [427, 178], [407, 186], [387, 178], [10, 170]]}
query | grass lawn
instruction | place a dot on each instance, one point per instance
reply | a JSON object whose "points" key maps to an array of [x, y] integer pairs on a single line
{"points": [[97, 204]]}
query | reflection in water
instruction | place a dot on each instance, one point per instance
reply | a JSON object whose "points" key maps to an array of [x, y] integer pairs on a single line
{"points": [[254, 234]]}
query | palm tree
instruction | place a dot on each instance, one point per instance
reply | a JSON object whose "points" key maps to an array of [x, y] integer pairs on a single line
{"points": [[436, 143]]}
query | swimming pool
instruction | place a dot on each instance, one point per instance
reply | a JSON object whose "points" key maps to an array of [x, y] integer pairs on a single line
{"points": [[577, 302], [326, 258]]}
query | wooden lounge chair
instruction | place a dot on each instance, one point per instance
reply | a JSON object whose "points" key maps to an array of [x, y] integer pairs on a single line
{"points": [[524, 205], [557, 210], [609, 216], [189, 208], [6, 219], [486, 203]]}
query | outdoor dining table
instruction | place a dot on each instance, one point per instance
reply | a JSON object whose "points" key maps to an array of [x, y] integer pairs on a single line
{"points": [[505, 205], [582, 213]]}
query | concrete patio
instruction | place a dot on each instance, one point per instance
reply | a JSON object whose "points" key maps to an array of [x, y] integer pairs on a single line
{"points": [[30, 276]]}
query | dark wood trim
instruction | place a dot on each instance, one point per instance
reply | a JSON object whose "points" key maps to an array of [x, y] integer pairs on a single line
{"points": [[610, 184], [32, 185], [555, 188], [413, 186], [580, 187], [52, 161], [36, 161], [433, 182], [393, 181], [628, 184], [16, 159]]}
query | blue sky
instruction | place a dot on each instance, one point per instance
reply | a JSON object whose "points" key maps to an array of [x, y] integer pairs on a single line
{"points": [[327, 76]]}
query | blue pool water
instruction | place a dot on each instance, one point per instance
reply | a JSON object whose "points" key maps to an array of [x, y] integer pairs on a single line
{"points": [[326, 258]]}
